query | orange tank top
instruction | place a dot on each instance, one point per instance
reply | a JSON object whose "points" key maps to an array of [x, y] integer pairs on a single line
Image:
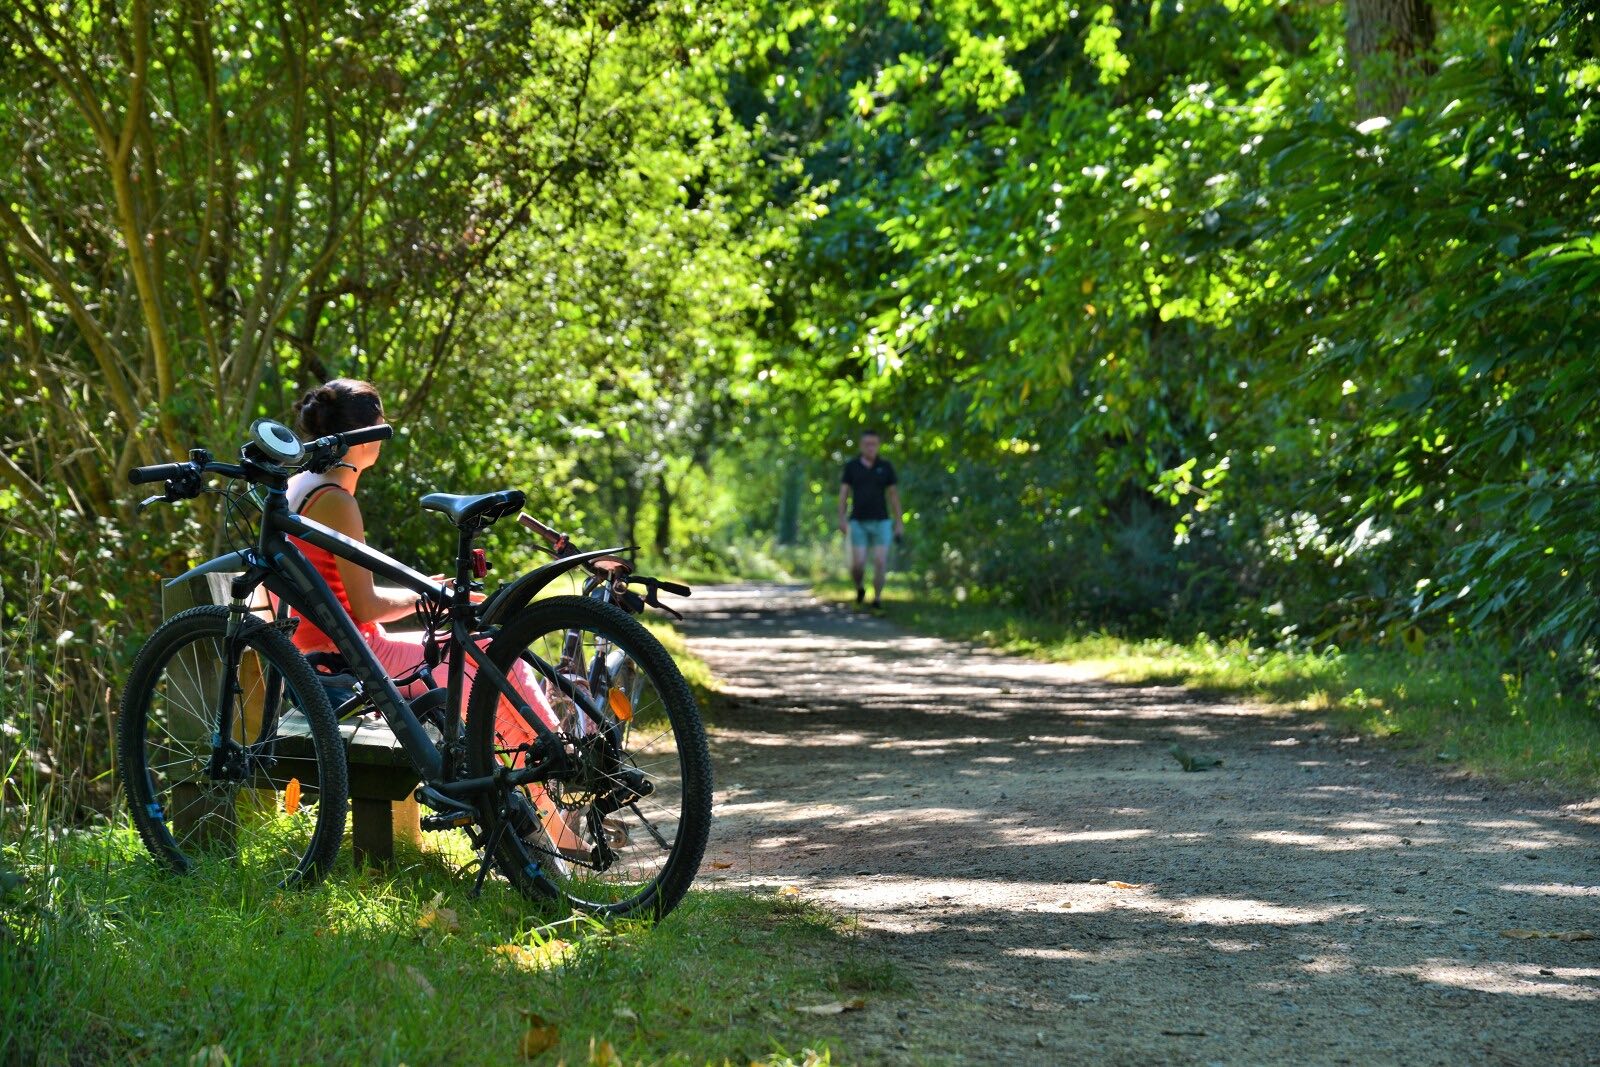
{"points": [[307, 637]]}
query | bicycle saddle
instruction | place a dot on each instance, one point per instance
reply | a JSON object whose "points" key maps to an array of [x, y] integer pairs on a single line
{"points": [[475, 512]]}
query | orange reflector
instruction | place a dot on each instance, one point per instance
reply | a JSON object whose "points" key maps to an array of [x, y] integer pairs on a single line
{"points": [[620, 704], [291, 796]]}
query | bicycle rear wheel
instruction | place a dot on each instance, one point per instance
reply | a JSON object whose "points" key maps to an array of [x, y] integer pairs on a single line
{"points": [[274, 800], [626, 833]]}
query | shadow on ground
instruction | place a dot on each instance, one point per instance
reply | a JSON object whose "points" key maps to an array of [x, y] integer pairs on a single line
{"points": [[1312, 899]]}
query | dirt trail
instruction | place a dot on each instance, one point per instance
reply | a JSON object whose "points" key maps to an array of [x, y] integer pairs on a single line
{"points": [[1312, 900]]}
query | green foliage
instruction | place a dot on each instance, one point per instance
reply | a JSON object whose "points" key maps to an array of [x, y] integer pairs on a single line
{"points": [[535, 227], [1172, 332]]}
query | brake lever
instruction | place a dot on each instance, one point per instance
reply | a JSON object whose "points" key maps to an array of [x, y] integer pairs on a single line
{"points": [[147, 501], [652, 592]]}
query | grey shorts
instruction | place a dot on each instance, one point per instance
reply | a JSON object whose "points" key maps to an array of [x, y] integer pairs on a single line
{"points": [[871, 533]]}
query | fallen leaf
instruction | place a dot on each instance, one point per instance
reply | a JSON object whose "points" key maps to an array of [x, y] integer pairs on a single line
{"points": [[1125, 885], [1574, 935], [421, 980], [211, 1056], [445, 920], [516, 954], [836, 1007], [540, 1036], [788, 891], [1064, 905], [601, 1054], [291, 796], [720, 866], [539, 957], [625, 1013]]}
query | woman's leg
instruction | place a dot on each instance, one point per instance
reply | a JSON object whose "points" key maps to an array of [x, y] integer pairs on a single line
{"points": [[511, 730], [401, 653]]}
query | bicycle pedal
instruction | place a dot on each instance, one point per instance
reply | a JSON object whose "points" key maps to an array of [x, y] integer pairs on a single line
{"points": [[449, 820]]}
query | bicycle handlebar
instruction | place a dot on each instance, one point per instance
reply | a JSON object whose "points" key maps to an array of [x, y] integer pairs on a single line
{"points": [[322, 453], [161, 472], [366, 435], [546, 532], [316, 455]]}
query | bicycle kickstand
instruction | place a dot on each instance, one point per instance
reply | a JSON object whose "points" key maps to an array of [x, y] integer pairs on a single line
{"points": [[485, 860]]}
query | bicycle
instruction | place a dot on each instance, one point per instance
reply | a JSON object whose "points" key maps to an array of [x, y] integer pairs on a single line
{"points": [[223, 715]]}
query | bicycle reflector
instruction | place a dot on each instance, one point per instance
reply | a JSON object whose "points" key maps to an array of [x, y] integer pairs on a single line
{"points": [[480, 563], [621, 706]]}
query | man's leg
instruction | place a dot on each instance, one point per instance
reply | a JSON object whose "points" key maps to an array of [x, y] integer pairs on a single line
{"points": [[858, 560], [880, 567]]}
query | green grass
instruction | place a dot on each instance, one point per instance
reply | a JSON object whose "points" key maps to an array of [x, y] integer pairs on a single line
{"points": [[104, 958], [695, 670], [1453, 705]]}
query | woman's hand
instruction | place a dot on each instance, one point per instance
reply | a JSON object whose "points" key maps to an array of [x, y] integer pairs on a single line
{"points": [[450, 583]]}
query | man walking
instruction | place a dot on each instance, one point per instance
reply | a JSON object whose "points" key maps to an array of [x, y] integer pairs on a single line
{"points": [[868, 489]]}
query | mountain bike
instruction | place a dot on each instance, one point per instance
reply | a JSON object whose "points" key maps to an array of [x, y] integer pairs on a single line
{"points": [[228, 742]]}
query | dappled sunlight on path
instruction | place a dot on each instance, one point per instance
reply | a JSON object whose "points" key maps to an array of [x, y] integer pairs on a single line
{"points": [[1018, 838]]}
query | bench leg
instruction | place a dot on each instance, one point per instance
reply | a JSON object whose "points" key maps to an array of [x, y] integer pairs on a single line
{"points": [[378, 824], [201, 820], [373, 831]]}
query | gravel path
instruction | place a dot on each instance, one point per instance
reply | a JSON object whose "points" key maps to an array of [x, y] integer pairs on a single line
{"points": [[1018, 839]]}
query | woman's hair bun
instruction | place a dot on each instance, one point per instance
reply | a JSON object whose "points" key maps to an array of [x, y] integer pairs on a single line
{"points": [[338, 406]]}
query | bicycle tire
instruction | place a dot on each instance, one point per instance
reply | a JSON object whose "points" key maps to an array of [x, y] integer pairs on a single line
{"points": [[282, 666], [558, 614]]}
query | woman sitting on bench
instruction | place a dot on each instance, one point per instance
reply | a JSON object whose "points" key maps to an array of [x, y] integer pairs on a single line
{"points": [[342, 405]]}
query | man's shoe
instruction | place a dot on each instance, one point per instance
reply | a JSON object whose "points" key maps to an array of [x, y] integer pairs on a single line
{"points": [[861, 595]]}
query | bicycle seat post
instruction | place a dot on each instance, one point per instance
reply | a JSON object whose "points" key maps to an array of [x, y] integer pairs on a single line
{"points": [[461, 595]]}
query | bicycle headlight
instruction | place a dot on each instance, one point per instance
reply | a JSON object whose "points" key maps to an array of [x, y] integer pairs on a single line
{"points": [[276, 441]]}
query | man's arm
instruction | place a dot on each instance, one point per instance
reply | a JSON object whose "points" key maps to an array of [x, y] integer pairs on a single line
{"points": [[844, 507], [894, 506]]}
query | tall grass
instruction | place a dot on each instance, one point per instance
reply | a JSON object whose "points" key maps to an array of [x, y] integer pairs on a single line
{"points": [[105, 958], [68, 624]]}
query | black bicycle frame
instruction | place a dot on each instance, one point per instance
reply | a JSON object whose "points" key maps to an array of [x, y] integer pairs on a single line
{"points": [[276, 563]]}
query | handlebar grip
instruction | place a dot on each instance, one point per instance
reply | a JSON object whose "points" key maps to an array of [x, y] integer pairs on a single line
{"points": [[381, 432], [538, 527], [161, 472]]}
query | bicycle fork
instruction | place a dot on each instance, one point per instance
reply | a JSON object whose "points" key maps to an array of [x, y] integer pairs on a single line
{"points": [[224, 748]]}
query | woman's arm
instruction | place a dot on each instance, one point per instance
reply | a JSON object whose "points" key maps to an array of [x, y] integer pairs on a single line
{"points": [[368, 602]]}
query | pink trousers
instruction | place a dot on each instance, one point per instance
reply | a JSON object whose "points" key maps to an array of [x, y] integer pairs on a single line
{"points": [[401, 653]]}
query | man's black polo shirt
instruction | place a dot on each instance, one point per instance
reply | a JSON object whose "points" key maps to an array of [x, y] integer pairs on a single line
{"points": [[870, 485]]}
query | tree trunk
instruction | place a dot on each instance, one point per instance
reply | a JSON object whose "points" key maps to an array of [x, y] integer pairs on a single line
{"points": [[1387, 41], [663, 517], [789, 501]]}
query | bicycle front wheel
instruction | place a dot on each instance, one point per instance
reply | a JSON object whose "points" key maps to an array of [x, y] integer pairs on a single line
{"points": [[270, 792], [623, 832]]}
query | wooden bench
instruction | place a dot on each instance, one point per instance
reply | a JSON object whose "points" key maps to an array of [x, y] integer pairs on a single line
{"points": [[382, 808]]}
